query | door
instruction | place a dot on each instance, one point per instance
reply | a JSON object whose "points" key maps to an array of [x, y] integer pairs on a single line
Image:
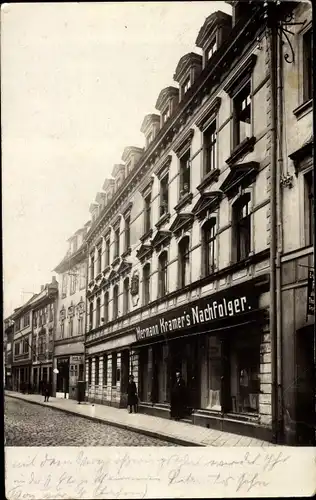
{"points": [[193, 378]]}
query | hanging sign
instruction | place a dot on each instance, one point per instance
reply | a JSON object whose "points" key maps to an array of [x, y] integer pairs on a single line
{"points": [[311, 293]]}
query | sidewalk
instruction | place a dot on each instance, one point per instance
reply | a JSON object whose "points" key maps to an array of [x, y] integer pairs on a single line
{"points": [[176, 432]]}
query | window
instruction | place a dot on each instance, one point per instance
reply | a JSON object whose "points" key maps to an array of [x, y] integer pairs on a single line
{"points": [[164, 195], [184, 262], [105, 369], [64, 285], [62, 329], [106, 307], [80, 325], [17, 325], [309, 208], [35, 319], [82, 280], [26, 320], [41, 344], [209, 250], [127, 232], [162, 274], [116, 242], [185, 173], [186, 85], [307, 66], [91, 315], [166, 115], [114, 369], [71, 327], [25, 346], [98, 312], [17, 348], [242, 227], [209, 143], [73, 282], [51, 312], [211, 372], [90, 371], [146, 284], [242, 115], [107, 252], [92, 266], [210, 50], [147, 213], [115, 302], [150, 138], [126, 296], [44, 316], [99, 259], [97, 373], [50, 340]]}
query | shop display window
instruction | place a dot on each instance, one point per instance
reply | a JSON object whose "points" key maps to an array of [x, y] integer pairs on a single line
{"points": [[211, 374]]}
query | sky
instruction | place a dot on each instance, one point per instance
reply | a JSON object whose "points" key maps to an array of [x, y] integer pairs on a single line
{"points": [[77, 80]]}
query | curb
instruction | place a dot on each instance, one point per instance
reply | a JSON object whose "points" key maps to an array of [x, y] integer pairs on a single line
{"points": [[145, 432]]}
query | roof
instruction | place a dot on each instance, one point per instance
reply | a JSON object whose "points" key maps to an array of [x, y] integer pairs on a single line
{"points": [[186, 62], [209, 24], [148, 120]]}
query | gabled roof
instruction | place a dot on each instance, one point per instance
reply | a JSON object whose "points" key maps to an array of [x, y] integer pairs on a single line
{"points": [[186, 62], [130, 151], [208, 201], [241, 174], [164, 95], [161, 237], [181, 221], [210, 22], [148, 121]]}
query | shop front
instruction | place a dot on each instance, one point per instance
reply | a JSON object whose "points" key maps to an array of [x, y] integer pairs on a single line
{"points": [[68, 369], [21, 376], [216, 344]]}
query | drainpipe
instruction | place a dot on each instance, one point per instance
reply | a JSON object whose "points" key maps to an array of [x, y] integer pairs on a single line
{"points": [[273, 235], [279, 233]]}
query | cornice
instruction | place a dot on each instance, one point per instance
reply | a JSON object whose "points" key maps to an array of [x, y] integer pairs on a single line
{"points": [[242, 74], [163, 167], [209, 114], [184, 142]]}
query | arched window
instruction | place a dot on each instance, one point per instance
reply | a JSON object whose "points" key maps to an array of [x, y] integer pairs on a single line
{"points": [[209, 246], [184, 262], [115, 302], [162, 274], [91, 315], [126, 296], [146, 284], [98, 312], [106, 307], [242, 227]]}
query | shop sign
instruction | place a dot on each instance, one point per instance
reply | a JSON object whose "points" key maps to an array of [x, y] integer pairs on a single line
{"points": [[311, 293], [228, 304], [76, 359]]}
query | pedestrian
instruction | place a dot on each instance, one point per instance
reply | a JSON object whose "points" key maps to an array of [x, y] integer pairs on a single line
{"points": [[132, 398], [178, 407], [46, 392]]}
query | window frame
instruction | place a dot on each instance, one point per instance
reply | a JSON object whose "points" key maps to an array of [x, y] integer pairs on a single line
{"points": [[96, 370], [117, 242], [183, 262], [207, 229], [105, 370], [107, 252], [146, 284], [164, 195], [237, 111], [185, 164], [213, 146], [98, 312], [126, 296], [147, 213], [127, 232], [162, 271], [238, 222], [115, 302]]}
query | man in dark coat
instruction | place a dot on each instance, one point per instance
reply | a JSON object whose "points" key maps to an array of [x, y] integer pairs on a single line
{"points": [[46, 391], [132, 398], [178, 407]]}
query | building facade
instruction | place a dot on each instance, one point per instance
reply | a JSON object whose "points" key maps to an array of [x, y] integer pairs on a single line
{"points": [[22, 342], [7, 352], [179, 257], [44, 308], [70, 328]]}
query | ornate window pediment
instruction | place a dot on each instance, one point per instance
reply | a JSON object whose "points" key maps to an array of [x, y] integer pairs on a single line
{"points": [[113, 276], [185, 142], [161, 238], [80, 308], [163, 167], [182, 221], [144, 252], [208, 202], [302, 156], [124, 267], [241, 76], [71, 311], [241, 175], [209, 114]]}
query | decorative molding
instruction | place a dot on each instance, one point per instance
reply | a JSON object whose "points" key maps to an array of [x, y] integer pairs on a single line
{"points": [[209, 114], [241, 76], [144, 252], [146, 188], [106, 270], [164, 219], [116, 261], [127, 252], [124, 267], [303, 109], [242, 175], [208, 202], [185, 200], [146, 236], [246, 146], [208, 179], [163, 167], [300, 155], [184, 143], [161, 238], [181, 221], [127, 210]]}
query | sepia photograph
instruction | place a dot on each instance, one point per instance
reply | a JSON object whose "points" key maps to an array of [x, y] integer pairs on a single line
{"points": [[158, 247]]}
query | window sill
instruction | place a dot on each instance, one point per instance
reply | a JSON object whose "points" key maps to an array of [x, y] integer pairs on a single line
{"points": [[184, 200], [146, 236], [208, 179], [303, 109], [246, 146], [163, 220]]}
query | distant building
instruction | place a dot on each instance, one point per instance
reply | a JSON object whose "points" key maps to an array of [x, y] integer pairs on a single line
{"points": [[7, 352], [70, 329]]}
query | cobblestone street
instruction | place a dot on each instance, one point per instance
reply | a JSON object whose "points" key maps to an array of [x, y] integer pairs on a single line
{"points": [[27, 424]]}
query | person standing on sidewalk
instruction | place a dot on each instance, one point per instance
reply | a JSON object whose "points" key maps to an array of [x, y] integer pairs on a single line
{"points": [[132, 398], [46, 392], [178, 406]]}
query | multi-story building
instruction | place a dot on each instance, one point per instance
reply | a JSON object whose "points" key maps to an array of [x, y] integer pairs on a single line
{"points": [[22, 345], [44, 307], [7, 352], [179, 256], [70, 330]]}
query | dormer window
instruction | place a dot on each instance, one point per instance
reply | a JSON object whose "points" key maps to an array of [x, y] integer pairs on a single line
{"points": [[210, 50], [186, 85], [166, 115], [150, 138]]}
